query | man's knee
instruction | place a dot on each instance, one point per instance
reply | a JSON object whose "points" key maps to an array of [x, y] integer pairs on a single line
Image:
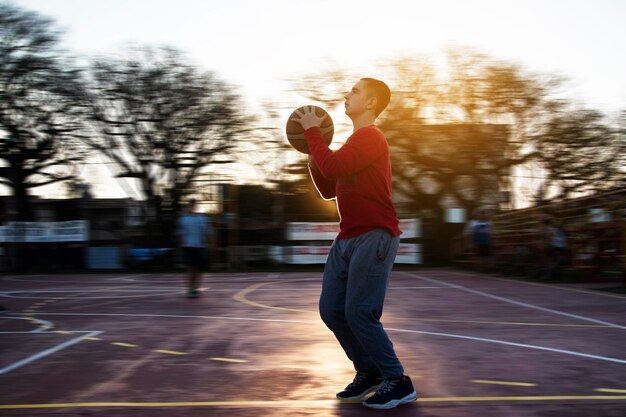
{"points": [[361, 316], [331, 315]]}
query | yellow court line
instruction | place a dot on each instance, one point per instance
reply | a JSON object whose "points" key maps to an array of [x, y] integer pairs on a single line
{"points": [[518, 384], [504, 322], [241, 297], [91, 338], [616, 391], [228, 360], [124, 344], [301, 403], [169, 352]]}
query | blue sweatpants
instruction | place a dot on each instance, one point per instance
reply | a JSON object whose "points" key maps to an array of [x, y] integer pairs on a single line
{"points": [[355, 281]]}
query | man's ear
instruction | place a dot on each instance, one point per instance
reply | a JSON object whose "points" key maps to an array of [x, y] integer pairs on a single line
{"points": [[371, 103]]}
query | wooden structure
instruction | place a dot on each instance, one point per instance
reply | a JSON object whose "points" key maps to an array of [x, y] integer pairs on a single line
{"points": [[595, 227]]}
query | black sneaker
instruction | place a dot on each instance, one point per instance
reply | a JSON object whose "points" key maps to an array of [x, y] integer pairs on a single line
{"points": [[392, 393], [363, 384]]}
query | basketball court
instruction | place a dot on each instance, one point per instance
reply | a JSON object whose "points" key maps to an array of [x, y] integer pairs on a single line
{"points": [[253, 345]]}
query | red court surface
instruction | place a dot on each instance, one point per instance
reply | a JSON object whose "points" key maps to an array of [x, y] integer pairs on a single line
{"points": [[253, 345]]}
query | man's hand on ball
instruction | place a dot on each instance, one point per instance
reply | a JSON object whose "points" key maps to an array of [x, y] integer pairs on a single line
{"points": [[308, 118]]}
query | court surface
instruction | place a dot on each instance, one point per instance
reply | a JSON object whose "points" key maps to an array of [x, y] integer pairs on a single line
{"points": [[253, 345]]}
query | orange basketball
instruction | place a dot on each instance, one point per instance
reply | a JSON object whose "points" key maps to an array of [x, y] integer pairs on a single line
{"points": [[295, 133]]}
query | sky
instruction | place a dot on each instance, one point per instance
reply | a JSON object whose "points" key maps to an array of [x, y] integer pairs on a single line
{"points": [[254, 44]]}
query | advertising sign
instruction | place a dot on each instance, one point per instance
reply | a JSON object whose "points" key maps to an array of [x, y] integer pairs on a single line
{"points": [[411, 228], [38, 232]]}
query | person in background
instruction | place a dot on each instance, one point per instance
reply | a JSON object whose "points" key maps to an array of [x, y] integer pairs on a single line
{"points": [[194, 232], [553, 245], [480, 232]]}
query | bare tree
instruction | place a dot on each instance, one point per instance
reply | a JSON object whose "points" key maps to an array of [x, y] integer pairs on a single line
{"points": [[455, 136], [162, 121], [580, 152], [39, 106], [456, 133]]}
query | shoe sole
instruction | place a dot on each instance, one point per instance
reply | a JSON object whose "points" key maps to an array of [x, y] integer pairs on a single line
{"points": [[361, 396], [393, 403]]}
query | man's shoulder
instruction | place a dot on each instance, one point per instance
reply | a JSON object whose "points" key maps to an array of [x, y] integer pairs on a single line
{"points": [[369, 135], [372, 131]]}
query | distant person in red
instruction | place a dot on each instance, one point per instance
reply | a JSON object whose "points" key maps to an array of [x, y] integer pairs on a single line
{"points": [[360, 261]]}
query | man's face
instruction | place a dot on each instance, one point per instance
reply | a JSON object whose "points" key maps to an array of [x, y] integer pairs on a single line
{"points": [[357, 100]]}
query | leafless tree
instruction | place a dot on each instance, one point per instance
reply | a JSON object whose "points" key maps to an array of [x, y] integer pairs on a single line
{"points": [[40, 111], [162, 121]]}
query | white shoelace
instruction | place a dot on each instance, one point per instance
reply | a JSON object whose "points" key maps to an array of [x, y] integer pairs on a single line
{"points": [[357, 380], [388, 385]]}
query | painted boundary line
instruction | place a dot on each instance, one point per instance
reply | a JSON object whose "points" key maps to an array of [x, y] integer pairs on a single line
{"points": [[181, 316], [44, 324], [541, 284], [503, 342], [47, 352], [313, 403], [507, 383], [511, 301], [268, 320]]}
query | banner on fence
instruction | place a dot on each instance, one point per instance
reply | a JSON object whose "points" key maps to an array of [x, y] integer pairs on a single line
{"points": [[38, 232], [411, 228], [408, 253]]}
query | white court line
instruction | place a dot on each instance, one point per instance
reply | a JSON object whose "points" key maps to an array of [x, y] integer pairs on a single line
{"points": [[47, 352], [540, 284], [92, 289], [178, 316], [71, 279], [414, 288], [317, 288], [40, 294], [318, 322], [519, 303], [211, 278], [502, 342]]}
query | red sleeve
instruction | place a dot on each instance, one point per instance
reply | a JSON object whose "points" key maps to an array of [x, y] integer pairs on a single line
{"points": [[362, 149], [325, 187]]}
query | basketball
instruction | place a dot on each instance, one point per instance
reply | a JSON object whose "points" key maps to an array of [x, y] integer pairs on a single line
{"points": [[295, 132]]}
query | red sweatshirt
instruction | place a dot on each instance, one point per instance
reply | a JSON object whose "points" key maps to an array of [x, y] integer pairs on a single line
{"points": [[359, 176]]}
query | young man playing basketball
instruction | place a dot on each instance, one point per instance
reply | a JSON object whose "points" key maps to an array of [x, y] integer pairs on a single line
{"points": [[360, 261]]}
